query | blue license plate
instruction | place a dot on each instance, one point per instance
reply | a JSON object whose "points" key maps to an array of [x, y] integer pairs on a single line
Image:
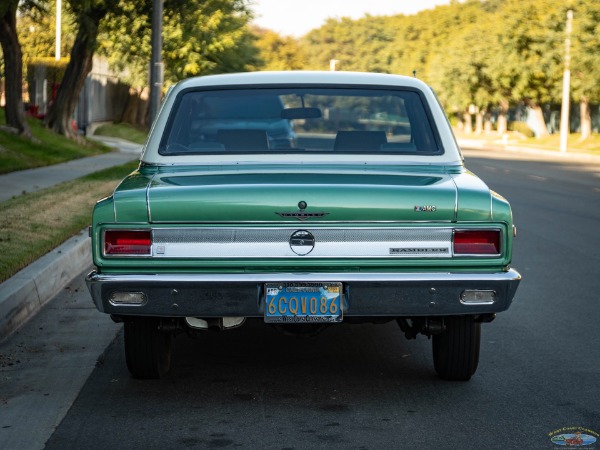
{"points": [[303, 302]]}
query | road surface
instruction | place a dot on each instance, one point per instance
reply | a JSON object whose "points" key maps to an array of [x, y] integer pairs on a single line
{"points": [[365, 386]]}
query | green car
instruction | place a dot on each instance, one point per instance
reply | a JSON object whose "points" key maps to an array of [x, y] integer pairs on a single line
{"points": [[303, 200]]}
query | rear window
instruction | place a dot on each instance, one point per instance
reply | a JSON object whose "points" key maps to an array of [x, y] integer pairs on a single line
{"points": [[303, 119]]}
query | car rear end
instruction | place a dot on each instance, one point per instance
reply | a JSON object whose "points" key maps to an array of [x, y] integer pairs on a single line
{"points": [[362, 211]]}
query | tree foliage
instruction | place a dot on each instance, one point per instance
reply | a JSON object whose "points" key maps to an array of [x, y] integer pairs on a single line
{"points": [[88, 14], [200, 37], [359, 45], [484, 53], [481, 54], [37, 31], [278, 52]]}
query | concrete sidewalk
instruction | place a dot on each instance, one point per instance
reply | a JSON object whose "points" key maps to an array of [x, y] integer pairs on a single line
{"points": [[16, 183], [23, 295]]}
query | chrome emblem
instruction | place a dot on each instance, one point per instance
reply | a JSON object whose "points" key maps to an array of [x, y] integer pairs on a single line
{"points": [[426, 208], [301, 214], [302, 242]]}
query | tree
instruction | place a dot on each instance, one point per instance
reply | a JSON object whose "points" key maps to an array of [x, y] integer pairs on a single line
{"points": [[463, 80], [207, 37], [37, 32], [585, 60], [13, 67], [360, 45], [199, 38], [88, 14], [278, 52], [529, 63]]}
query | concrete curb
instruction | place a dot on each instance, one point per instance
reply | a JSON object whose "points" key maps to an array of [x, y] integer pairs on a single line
{"points": [[23, 295]]}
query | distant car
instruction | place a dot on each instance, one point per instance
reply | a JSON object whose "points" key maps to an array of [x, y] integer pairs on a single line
{"points": [[304, 200]]}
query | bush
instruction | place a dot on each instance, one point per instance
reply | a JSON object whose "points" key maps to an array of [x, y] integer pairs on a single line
{"points": [[521, 127]]}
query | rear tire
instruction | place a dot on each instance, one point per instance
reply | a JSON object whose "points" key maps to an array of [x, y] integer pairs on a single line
{"points": [[456, 350], [147, 349]]}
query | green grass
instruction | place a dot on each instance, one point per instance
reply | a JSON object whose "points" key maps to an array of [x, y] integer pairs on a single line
{"points": [[123, 131], [18, 153], [551, 142], [33, 224], [574, 143]]}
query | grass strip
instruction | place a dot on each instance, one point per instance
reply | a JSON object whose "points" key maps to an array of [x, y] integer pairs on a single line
{"points": [[123, 131], [551, 142], [574, 143], [31, 225], [47, 148]]}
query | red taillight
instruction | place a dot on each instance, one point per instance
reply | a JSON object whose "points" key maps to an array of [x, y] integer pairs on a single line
{"points": [[127, 242], [477, 242]]}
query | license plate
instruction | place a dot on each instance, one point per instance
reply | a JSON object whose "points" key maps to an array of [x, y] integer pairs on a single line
{"points": [[303, 302]]}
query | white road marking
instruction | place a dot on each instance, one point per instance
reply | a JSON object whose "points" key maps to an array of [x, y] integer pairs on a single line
{"points": [[535, 177]]}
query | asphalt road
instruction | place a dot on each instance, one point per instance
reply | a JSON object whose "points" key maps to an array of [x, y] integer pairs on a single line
{"points": [[365, 386]]}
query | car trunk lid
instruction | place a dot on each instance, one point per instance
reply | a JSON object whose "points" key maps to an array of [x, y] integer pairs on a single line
{"points": [[306, 195]]}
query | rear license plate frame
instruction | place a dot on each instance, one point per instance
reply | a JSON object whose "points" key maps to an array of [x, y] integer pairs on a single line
{"points": [[303, 302]]}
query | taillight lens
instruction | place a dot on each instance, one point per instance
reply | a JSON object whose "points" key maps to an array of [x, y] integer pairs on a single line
{"points": [[477, 242], [127, 242]]}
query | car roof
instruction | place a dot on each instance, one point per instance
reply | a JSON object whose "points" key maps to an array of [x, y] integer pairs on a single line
{"points": [[302, 77]]}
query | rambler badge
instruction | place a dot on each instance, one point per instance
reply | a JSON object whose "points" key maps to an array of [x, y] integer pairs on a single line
{"points": [[419, 251]]}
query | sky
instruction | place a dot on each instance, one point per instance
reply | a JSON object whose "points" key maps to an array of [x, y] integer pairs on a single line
{"points": [[297, 17]]}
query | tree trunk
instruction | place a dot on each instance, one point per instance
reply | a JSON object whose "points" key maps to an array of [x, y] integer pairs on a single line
{"points": [[13, 69], [487, 123], [130, 112], [586, 119], [541, 130], [143, 108], [503, 117], [60, 116], [468, 121], [479, 122]]}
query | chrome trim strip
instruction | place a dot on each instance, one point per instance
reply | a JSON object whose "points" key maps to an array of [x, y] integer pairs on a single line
{"points": [[271, 234], [344, 277], [332, 162], [455, 199], [295, 222], [275, 242], [114, 203], [148, 197]]}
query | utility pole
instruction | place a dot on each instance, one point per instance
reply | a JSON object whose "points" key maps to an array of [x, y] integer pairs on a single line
{"points": [[564, 113], [58, 29], [156, 65]]}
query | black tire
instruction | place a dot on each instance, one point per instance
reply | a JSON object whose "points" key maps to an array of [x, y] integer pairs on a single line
{"points": [[147, 349], [456, 350]]}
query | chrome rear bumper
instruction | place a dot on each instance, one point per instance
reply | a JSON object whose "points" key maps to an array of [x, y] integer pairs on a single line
{"points": [[241, 295]]}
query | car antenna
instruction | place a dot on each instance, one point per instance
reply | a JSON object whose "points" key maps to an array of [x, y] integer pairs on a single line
{"points": [[415, 73]]}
